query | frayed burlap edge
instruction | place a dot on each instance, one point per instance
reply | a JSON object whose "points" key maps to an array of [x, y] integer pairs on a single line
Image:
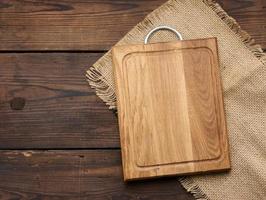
{"points": [[99, 82], [193, 188]]}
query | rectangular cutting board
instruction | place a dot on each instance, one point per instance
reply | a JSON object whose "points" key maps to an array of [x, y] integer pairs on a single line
{"points": [[170, 108]]}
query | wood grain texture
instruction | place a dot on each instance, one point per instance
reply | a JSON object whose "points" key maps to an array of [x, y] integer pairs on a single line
{"points": [[68, 24], [93, 25], [25, 93], [76, 175], [170, 108], [45, 102]]}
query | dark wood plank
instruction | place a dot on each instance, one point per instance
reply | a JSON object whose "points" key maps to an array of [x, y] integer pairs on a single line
{"points": [[45, 102], [79, 175], [68, 24], [96, 25]]}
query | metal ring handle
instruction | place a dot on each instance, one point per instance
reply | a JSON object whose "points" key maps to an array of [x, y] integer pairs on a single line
{"points": [[162, 28]]}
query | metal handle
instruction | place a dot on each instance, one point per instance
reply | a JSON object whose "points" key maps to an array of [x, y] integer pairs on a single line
{"points": [[162, 28]]}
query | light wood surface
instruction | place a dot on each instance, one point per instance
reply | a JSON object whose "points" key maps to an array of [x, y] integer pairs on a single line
{"points": [[170, 108]]}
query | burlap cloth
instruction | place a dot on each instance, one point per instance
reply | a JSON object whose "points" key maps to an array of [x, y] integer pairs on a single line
{"points": [[244, 82]]}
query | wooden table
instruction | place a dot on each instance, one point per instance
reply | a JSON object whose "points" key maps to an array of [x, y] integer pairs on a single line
{"points": [[58, 139]]}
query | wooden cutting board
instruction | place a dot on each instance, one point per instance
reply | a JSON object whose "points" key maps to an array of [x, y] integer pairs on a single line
{"points": [[170, 108]]}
